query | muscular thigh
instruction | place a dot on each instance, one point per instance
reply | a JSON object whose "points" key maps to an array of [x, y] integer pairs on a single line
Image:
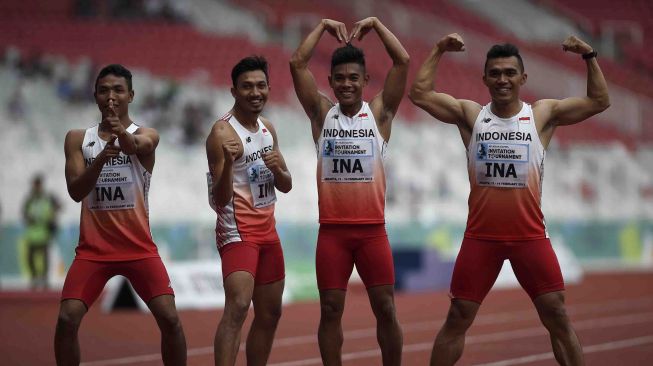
{"points": [[239, 256], [373, 258], [148, 277], [334, 259], [271, 266], [477, 266], [536, 267], [86, 279]]}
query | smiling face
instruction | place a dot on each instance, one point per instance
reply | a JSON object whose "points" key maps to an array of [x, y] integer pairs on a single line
{"points": [[347, 81], [251, 91], [503, 78], [113, 88]]}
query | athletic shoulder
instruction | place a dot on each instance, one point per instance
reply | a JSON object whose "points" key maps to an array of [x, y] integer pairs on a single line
{"points": [[74, 136]]}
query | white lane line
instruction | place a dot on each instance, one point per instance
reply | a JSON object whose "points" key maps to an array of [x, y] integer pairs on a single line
{"points": [[587, 324], [608, 346], [485, 319]]}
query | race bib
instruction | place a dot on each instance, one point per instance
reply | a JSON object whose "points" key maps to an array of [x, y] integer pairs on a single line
{"points": [[261, 184], [114, 189], [502, 164], [348, 160]]}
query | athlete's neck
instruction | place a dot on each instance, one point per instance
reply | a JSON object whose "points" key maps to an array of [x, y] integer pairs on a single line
{"points": [[352, 109], [506, 110], [247, 119]]}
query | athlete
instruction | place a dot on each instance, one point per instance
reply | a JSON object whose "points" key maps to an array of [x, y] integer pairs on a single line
{"points": [[108, 169], [245, 167], [506, 142], [350, 138], [40, 213]]}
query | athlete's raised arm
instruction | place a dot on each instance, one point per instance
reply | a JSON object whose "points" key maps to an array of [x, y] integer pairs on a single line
{"points": [[315, 104], [442, 106], [221, 151], [275, 162], [386, 103], [568, 111], [81, 179]]}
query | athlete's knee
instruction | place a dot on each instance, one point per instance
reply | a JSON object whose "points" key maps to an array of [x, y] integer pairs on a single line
{"points": [[385, 310], [236, 309], [69, 319], [551, 309], [554, 316], [331, 310], [169, 322], [272, 314], [461, 315]]}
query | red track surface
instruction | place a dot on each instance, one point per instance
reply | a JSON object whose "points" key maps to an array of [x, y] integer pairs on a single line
{"points": [[612, 314]]}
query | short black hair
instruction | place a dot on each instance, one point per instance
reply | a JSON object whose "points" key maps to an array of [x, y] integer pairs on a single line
{"points": [[347, 54], [117, 70], [502, 51], [250, 63]]}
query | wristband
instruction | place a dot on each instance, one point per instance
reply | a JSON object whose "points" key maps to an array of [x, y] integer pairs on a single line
{"points": [[589, 55]]}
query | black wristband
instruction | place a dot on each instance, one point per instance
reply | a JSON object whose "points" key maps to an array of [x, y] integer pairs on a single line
{"points": [[589, 55]]}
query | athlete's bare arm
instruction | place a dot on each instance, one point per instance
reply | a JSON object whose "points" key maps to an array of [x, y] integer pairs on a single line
{"points": [[444, 107], [315, 104], [550, 113], [385, 104], [142, 143], [221, 151], [80, 178], [275, 162]]}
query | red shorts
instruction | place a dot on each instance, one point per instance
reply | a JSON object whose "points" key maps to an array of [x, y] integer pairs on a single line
{"points": [[478, 264], [86, 279], [263, 261], [339, 247]]}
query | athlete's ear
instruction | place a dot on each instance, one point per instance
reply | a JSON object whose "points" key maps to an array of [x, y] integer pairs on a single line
{"points": [[523, 79], [131, 95], [233, 92], [330, 81], [366, 79]]}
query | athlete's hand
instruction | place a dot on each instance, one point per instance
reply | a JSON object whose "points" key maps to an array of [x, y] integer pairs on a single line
{"points": [[110, 149], [451, 43], [576, 45], [230, 150], [113, 121], [272, 160], [361, 28], [336, 29]]}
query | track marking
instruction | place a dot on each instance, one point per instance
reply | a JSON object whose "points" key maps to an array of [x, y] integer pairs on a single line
{"points": [[485, 319], [608, 346], [596, 323]]}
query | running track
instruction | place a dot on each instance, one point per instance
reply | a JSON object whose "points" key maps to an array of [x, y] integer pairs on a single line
{"points": [[612, 314]]}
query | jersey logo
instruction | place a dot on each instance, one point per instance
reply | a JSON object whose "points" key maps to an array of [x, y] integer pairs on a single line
{"points": [[335, 116], [486, 120], [90, 144], [248, 139]]}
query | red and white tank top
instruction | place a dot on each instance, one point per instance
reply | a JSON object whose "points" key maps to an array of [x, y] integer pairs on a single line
{"points": [[250, 214], [115, 217], [350, 174], [505, 161]]}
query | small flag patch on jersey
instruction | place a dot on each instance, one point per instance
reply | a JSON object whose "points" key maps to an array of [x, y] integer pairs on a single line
{"points": [[265, 130], [525, 119], [363, 115]]}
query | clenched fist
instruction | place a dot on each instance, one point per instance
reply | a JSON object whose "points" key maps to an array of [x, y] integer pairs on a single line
{"points": [[576, 45], [451, 43]]}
